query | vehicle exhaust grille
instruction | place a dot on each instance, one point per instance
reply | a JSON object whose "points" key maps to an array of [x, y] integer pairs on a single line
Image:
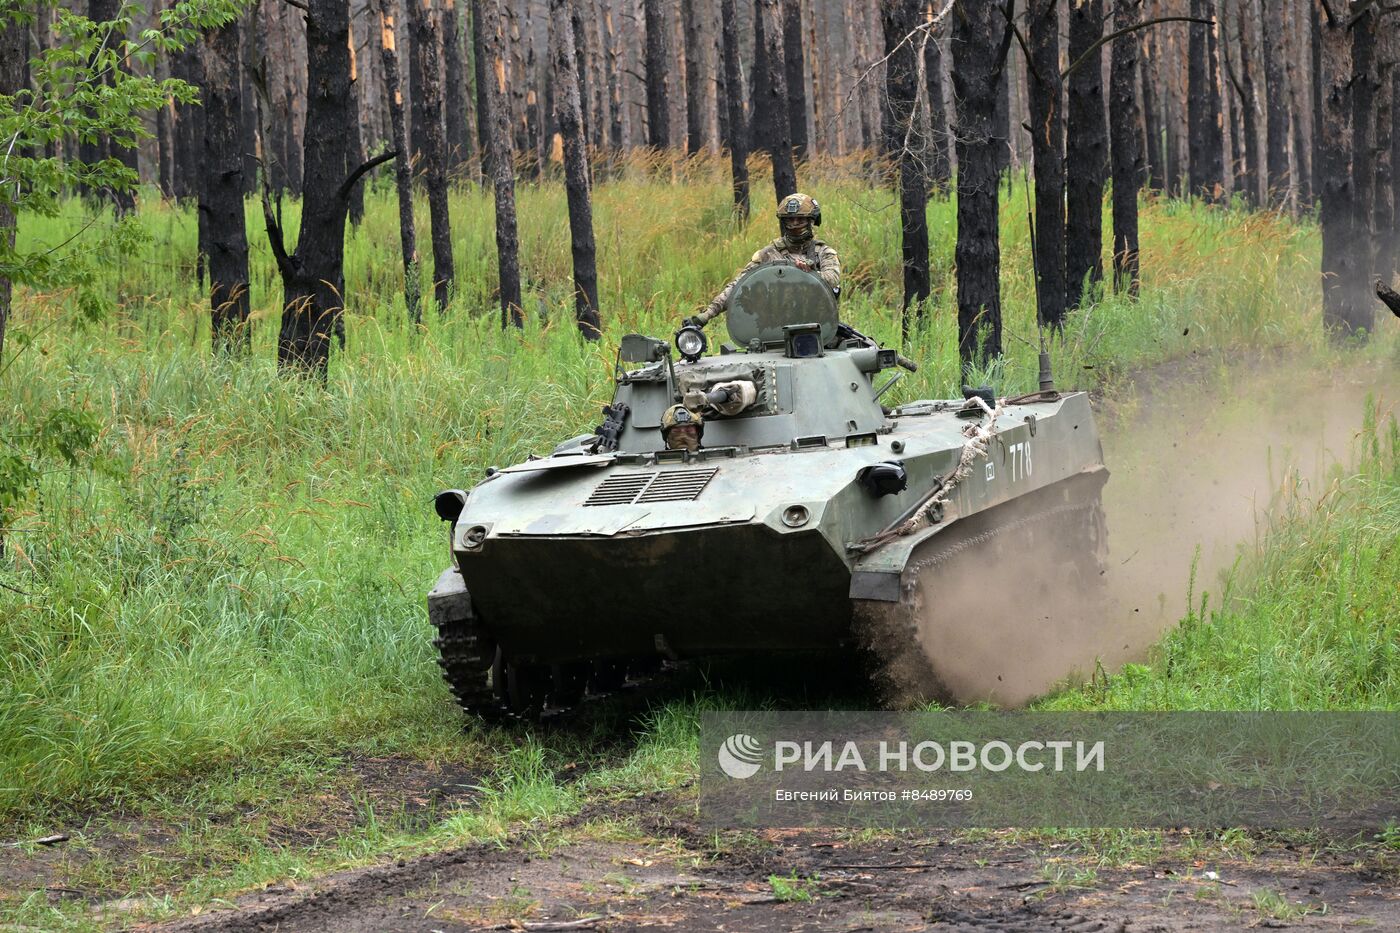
{"points": [[681, 486], [619, 490], [632, 488]]}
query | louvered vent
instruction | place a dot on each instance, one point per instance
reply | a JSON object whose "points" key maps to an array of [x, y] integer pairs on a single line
{"points": [[619, 490], [681, 486], [631, 488]]}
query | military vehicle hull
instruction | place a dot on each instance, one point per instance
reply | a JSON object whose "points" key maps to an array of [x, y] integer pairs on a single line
{"points": [[576, 565]]}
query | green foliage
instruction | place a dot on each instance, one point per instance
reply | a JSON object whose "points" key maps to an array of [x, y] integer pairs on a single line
{"points": [[81, 89], [795, 888]]}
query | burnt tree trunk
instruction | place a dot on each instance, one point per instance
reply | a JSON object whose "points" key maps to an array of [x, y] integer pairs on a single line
{"points": [[222, 199], [1124, 156], [459, 148], [901, 94], [403, 173], [1002, 118], [760, 95], [1047, 113], [1363, 118], [1087, 150], [981, 36], [483, 125], [795, 68], [775, 88], [1383, 205], [424, 21], [694, 94], [1276, 108], [1153, 122], [658, 66], [1345, 308], [1248, 110], [313, 278], [568, 110], [497, 118], [734, 105], [940, 168], [1206, 166]]}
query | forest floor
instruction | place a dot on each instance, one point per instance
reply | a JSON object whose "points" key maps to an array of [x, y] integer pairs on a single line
{"points": [[267, 849]]}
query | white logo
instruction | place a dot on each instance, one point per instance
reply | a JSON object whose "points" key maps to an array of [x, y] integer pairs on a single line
{"points": [[740, 755]]}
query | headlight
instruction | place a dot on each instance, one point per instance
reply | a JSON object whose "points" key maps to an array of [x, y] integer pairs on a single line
{"points": [[690, 343]]}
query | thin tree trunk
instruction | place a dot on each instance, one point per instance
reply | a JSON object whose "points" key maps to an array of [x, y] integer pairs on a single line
{"points": [[356, 153], [658, 66], [780, 138], [1363, 155], [694, 96], [1124, 155], [1344, 310], [1315, 51], [498, 121], [940, 167], [1152, 117], [734, 106], [313, 278], [1248, 107], [222, 199], [403, 173], [901, 93], [980, 40], [12, 59], [483, 124], [1276, 112], [1207, 163], [1303, 130], [424, 21], [795, 68], [760, 95], [1382, 214], [1047, 109], [455, 84], [1087, 151], [569, 109]]}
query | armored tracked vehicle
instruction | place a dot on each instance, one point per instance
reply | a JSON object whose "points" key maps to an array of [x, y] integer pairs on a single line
{"points": [[954, 543]]}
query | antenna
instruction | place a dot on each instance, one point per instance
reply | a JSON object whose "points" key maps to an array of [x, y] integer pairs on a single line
{"points": [[1047, 377]]}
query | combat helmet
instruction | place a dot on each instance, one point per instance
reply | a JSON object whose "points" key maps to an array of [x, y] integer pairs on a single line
{"points": [[799, 206]]}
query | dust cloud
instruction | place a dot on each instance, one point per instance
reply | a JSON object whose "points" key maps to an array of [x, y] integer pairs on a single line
{"points": [[1197, 453]]}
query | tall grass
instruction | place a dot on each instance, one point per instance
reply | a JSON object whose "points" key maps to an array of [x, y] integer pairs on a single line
{"points": [[245, 571]]}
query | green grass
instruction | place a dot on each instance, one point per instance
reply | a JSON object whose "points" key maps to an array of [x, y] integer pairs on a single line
{"points": [[240, 584]]}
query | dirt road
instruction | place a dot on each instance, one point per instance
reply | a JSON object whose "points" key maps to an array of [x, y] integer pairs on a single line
{"points": [[673, 877]]}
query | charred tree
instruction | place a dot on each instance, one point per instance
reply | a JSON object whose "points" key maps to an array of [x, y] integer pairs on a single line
{"points": [[403, 173], [483, 125], [313, 277], [568, 109], [1249, 112], [459, 147], [760, 94], [694, 97], [1153, 120], [1382, 199], [1346, 305], [1363, 155], [1124, 135], [222, 199], [1046, 105], [1206, 165], [425, 24], [775, 87], [1086, 150], [734, 105], [900, 17], [1276, 108], [795, 68], [940, 168], [981, 39], [658, 65], [497, 118]]}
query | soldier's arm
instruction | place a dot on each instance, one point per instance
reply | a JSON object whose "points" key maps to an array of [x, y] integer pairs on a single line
{"points": [[830, 268], [720, 303]]}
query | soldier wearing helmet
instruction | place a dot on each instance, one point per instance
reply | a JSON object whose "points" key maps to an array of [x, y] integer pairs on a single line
{"points": [[682, 428], [798, 214]]}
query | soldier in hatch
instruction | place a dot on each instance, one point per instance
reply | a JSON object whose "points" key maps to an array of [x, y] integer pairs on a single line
{"points": [[798, 214], [682, 429]]}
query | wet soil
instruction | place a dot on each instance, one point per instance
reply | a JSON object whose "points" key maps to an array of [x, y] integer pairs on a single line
{"points": [[675, 879]]}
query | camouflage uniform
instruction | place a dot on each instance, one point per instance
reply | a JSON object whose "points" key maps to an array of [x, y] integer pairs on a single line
{"points": [[821, 257]]}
